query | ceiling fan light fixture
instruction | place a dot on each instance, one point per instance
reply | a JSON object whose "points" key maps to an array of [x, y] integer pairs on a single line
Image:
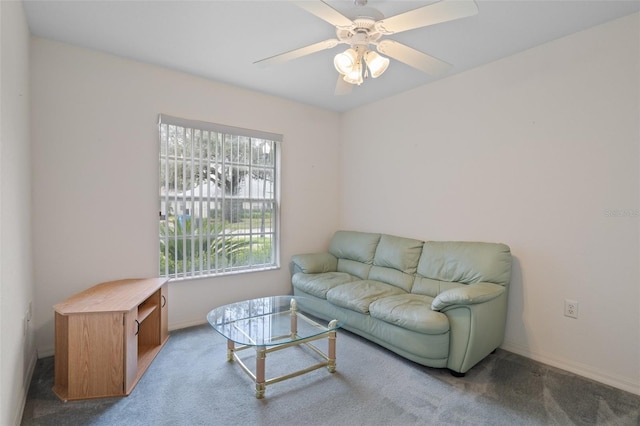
{"points": [[377, 64], [345, 62], [355, 76]]}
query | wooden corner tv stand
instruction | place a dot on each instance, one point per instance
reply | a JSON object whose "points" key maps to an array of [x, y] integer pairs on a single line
{"points": [[107, 336]]}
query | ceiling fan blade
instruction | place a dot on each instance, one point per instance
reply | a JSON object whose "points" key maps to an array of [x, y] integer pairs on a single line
{"points": [[418, 60], [325, 12], [435, 13], [297, 53], [342, 87]]}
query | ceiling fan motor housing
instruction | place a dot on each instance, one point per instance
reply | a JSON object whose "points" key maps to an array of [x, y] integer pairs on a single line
{"points": [[362, 33]]}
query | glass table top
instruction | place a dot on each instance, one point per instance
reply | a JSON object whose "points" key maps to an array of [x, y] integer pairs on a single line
{"points": [[266, 321]]}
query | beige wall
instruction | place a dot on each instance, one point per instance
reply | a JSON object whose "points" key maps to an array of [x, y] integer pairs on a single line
{"points": [[537, 150], [95, 176], [17, 349]]}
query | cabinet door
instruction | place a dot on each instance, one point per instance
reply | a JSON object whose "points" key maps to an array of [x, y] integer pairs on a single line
{"points": [[95, 355], [164, 313], [131, 329]]}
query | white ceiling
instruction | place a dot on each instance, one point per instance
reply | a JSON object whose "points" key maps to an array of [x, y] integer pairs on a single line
{"points": [[220, 40]]}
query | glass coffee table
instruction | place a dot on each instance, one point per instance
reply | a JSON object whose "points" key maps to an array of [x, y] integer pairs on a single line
{"points": [[270, 324]]}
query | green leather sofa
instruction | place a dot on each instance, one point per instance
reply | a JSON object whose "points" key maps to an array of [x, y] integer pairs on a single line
{"points": [[440, 304]]}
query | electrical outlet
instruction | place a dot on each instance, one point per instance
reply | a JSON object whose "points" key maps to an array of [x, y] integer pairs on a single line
{"points": [[570, 308]]}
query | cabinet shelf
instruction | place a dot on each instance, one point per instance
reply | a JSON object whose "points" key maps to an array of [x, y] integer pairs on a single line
{"points": [[145, 310]]}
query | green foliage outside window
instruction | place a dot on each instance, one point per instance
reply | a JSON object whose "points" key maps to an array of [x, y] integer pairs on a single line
{"points": [[189, 248]]}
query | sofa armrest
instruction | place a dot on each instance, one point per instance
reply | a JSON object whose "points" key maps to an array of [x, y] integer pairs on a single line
{"points": [[314, 263], [468, 295]]}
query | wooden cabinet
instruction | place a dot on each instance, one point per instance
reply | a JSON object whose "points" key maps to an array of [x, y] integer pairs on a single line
{"points": [[107, 336]]}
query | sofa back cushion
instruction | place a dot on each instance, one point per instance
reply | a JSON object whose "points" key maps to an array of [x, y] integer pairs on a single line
{"points": [[461, 262], [396, 260], [352, 245], [357, 269], [398, 253]]}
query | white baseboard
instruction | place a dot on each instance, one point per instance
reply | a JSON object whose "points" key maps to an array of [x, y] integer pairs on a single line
{"points": [[574, 367], [31, 367], [45, 352], [185, 324]]}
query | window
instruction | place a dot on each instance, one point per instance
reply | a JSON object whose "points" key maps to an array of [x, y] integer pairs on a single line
{"points": [[218, 199]]}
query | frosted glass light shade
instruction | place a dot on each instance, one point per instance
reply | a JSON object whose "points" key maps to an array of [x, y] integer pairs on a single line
{"points": [[377, 64], [345, 61], [355, 76]]}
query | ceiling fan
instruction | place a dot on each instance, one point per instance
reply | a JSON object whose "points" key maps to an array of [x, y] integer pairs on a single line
{"points": [[367, 29]]}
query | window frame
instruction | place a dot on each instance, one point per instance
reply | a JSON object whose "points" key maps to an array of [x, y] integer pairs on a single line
{"points": [[223, 172]]}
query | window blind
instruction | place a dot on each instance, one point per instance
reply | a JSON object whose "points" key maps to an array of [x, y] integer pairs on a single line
{"points": [[218, 199]]}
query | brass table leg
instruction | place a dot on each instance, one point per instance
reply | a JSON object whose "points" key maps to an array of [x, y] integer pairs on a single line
{"points": [[261, 355], [230, 350], [294, 318], [331, 362]]}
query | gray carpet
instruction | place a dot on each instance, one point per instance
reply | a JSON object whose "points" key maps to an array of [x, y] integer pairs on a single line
{"points": [[191, 383]]}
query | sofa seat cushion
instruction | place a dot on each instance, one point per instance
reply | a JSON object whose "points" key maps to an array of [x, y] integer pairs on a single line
{"points": [[318, 284], [358, 295], [410, 311]]}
